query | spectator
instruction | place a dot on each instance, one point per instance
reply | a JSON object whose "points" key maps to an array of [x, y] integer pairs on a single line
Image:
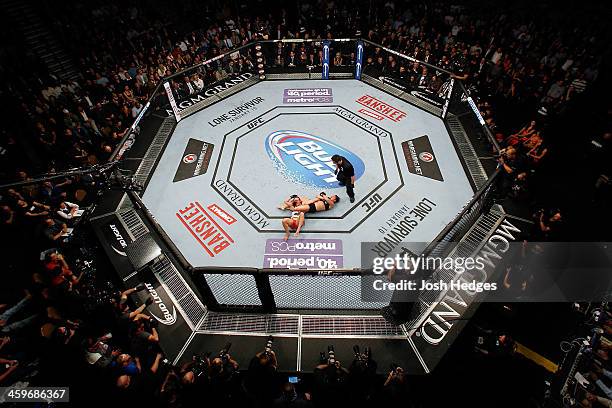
{"points": [[6, 327], [290, 398], [54, 231]]}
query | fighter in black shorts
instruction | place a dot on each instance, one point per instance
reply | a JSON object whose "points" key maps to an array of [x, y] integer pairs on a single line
{"points": [[321, 203]]}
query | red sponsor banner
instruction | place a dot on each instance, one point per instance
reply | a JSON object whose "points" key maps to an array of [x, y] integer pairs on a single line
{"points": [[221, 213], [204, 229], [380, 108]]}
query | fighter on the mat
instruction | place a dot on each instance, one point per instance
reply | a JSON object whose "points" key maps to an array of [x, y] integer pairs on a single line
{"points": [[320, 203], [300, 206], [295, 222], [293, 201]]}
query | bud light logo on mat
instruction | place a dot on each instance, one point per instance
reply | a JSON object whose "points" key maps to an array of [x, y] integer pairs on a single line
{"points": [[306, 159]]}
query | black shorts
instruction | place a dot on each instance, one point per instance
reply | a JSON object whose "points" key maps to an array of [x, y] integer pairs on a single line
{"points": [[312, 208]]}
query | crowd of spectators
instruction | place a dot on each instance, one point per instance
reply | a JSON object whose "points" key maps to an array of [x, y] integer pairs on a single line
{"points": [[523, 72], [599, 389]]}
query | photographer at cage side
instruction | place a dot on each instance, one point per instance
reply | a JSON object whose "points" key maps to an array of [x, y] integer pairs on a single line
{"points": [[194, 378], [548, 225], [362, 375], [395, 388], [510, 164], [331, 381], [260, 380], [144, 339], [224, 377]]}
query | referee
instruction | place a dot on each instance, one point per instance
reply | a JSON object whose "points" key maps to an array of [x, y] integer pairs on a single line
{"points": [[345, 174]]}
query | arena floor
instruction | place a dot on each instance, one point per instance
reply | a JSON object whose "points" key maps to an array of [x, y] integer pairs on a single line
{"points": [[225, 170]]}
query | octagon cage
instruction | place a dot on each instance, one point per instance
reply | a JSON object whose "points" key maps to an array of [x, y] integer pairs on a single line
{"points": [[441, 93]]}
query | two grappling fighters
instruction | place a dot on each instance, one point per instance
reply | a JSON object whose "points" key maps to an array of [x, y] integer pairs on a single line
{"points": [[298, 206]]}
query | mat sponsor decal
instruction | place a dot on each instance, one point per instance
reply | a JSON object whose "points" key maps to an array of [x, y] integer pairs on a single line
{"points": [[195, 160], [379, 110], [361, 122], [236, 200], [400, 225], [166, 313], [307, 95], [204, 229], [222, 214], [238, 112], [421, 159], [306, 159], [303, 254]]}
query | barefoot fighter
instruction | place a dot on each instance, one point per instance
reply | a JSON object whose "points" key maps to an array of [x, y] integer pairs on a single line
{"points": [[301, 206], [320, 203], [295, 222]]}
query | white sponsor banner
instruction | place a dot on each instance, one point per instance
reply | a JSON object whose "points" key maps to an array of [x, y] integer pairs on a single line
{"points": [[175, 109]]}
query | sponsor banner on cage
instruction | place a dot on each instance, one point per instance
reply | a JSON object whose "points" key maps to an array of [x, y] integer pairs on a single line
{"points": [[440, 324], [174, 323], [204, 229], [117, 237], [114, 238], [303, 254], [162, 309], [379, 110], [421, 159], [195, 160], [173, 104], [184, 102], [307, 95], [418, 92]]}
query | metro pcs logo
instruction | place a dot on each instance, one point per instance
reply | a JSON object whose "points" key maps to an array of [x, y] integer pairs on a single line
{"points": [[306, 159]]}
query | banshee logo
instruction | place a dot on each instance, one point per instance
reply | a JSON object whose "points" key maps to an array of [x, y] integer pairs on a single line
{"points": [[120, 240], [169, 318], [306, 159]]}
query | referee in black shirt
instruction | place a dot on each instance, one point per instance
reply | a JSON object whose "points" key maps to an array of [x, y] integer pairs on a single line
{"points": [[345, 173]]}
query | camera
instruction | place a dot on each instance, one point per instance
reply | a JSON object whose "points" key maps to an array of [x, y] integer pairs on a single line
{"points": [[200, 364], [268, 348], [331, 360], [223, 354], [365, 356]]}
